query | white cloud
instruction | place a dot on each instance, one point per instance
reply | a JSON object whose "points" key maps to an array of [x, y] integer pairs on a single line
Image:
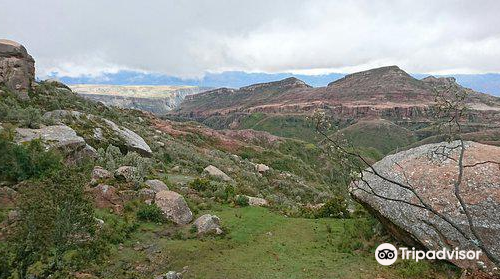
{"points": [[188, 38]]}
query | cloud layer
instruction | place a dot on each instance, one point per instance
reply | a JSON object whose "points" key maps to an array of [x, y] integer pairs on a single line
{"points": [[189, 38]]}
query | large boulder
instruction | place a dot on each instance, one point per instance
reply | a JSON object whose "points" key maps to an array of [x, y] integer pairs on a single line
{"points": [[431, 171], [132, 140], [207, 223], [103, 128], [215, 172], [60, 137], [174, 207], [17, 68]]}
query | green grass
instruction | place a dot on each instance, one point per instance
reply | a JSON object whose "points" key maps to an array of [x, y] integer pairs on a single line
{"points": [[259, 244]]}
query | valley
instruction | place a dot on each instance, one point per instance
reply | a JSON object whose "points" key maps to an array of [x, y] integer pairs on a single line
{"points": [[271, 180], [155, 99]]}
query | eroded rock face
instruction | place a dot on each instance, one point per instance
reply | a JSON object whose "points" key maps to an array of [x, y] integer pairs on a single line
{"points": [[208, 224], [174, 207], [17, 67], [432, 176], [215, 172]]}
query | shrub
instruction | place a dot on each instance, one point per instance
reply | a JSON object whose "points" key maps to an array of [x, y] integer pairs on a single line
{"points": [[21, 162], [150, 213], [334, 208], [241, 200], [200, 184], [56, 219]]}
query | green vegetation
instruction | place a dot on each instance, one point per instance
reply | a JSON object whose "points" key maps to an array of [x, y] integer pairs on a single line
{"points": [[380, 135], [289, 126], [21, 162], [259, 244]]}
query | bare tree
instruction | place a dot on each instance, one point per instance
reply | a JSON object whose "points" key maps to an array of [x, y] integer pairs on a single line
{"points": [[450, 111]]}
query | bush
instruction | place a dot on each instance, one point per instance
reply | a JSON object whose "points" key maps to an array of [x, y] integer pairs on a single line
{"points": [[56, 218], [21, 162], [241, 200], [150, 213], [334, 208], [200, 184]]}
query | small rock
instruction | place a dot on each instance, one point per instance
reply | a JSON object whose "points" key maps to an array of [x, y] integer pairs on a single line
{"points": [[156, 185], [215, 172], [146, 194], [253, 201], [176, 169], [208, 224], [125, 173], [99, 173], [261, 168]]}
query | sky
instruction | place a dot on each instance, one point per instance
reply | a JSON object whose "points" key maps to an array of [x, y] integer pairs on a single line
{"points": [[187, 39]]}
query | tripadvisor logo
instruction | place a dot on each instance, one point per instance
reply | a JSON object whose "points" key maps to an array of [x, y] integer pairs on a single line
{"points": [[387, 254]]}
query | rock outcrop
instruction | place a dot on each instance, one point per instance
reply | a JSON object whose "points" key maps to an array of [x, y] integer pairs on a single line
{"points": [[60, 137], [127, 138], [215, 172], [17, 68], [432, 176], [174, 207], [207, 224]]}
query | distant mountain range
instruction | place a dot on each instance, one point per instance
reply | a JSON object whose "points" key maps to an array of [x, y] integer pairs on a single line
{"points": [[486, 83], [385, 97]]}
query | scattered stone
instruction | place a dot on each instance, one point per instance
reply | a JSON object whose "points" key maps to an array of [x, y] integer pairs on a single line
{"points": [[253, 201], [174, 207], [176, 169], [7, 196], [261, 168], [156, 185], [147, 194], [126, 173], [13, 216], [432, 176], [215, 172], [17, 68], [99, 173], [208, 224], [106, 196]]}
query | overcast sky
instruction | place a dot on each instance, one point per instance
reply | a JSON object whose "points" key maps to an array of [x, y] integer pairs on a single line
{"points": [[187, 38]]}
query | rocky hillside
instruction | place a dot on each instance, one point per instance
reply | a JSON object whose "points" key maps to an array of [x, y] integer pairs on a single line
{"points": [[388, 93], [155, 99]]}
